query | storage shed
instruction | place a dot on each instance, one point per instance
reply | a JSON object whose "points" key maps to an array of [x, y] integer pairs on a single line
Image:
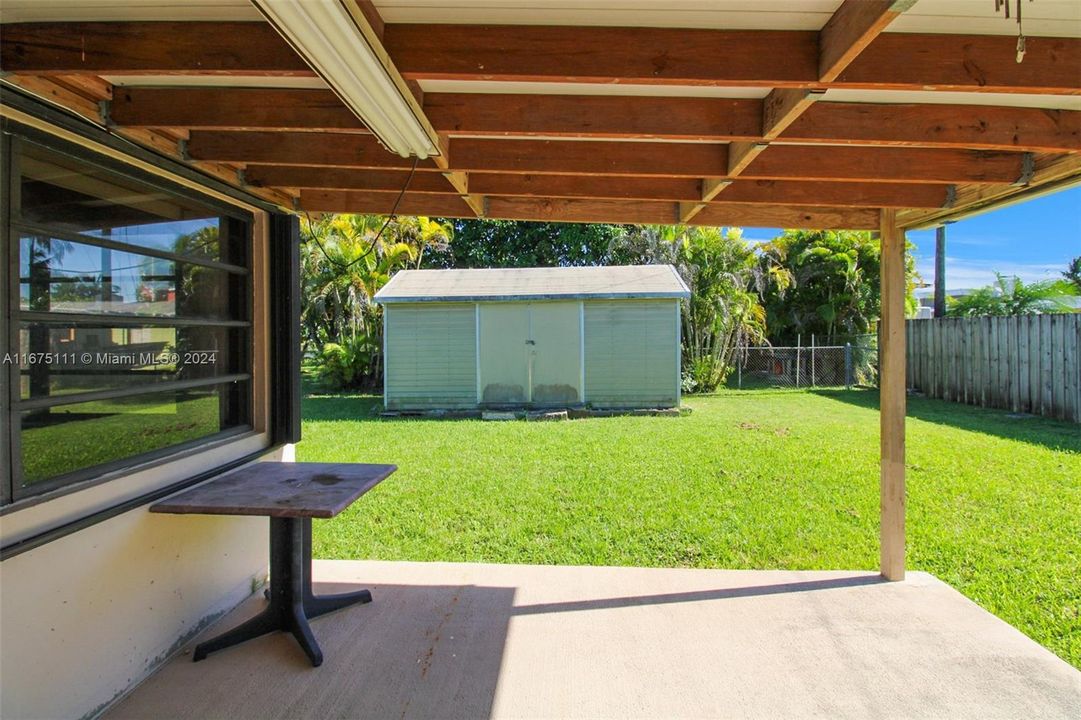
{"points": [[606, 337]]}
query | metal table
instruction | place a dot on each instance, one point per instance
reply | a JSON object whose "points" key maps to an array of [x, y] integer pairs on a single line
{"points": [[290, 494]]}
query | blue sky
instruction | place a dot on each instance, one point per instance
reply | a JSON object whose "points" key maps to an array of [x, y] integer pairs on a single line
{"points": [[1033, 240]]}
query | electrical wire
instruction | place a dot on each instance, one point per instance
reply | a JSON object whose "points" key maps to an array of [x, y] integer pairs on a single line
{"points": [[375, 241]]}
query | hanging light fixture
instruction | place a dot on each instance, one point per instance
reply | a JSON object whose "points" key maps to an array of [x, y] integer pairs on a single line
{"points": [[329, 36]]}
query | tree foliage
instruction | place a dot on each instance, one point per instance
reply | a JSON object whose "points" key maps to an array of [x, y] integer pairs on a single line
{"points": [[509, 243], [1012, 296], [723, 312], [345, 261], [823, 283], [1073, 273]]}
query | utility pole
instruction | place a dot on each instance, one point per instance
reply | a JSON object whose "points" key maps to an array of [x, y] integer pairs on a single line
{"points": [[940, 271]]}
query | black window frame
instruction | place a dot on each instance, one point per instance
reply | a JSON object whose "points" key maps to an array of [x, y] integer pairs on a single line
{"points": [[12, 494]]}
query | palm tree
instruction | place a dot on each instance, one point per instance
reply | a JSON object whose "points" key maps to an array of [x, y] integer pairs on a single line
{"points": [[1011, 296], [1073, 272], [346, 260], [723, 312]]}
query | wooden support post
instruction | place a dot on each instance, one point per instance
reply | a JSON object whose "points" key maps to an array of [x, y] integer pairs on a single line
{"points": [[891, 382]]}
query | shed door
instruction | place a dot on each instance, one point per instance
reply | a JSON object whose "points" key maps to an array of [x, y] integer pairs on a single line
{"points": [[530, 353]]}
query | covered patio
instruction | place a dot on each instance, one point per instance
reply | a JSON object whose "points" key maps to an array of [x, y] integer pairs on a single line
{"points": [[882, 115], [444, 640]]}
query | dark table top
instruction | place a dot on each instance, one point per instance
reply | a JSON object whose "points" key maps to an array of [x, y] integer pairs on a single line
{"points": [[316, 490]]}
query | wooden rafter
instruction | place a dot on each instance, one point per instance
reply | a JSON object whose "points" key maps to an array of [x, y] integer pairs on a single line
{"points": [[651, 56], [693, 119], [1049, 172], [849, 30], [784, 192], [591, 210], [633, 159]]}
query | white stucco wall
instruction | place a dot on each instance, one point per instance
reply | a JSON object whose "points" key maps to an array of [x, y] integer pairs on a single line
{"points": [[86, 617]]}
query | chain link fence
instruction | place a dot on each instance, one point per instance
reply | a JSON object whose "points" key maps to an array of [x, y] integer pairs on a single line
{"points": [[854, 363]]}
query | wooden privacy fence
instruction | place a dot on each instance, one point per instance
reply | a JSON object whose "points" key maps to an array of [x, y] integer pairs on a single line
{"points": [[1025, 364]]}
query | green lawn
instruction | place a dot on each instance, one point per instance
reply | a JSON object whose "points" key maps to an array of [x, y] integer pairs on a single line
{"points": [[766, 479]]}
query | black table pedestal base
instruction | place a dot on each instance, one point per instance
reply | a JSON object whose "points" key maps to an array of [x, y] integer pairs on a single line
{"points": [[292, 602]]}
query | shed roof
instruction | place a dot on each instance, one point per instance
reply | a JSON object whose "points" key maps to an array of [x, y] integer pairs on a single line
{"points": [[559, 283]]}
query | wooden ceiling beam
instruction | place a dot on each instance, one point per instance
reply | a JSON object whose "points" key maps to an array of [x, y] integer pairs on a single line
{"points": [[149, 48], [564, 210], [879, 164], [850, 29], [381, 203], [580, 186], [589, 157], [631, 159], [658, 56], [966, 63], [232, 109], [791, 112], [297, 148], [933, 125], [836, 194], [1049, 172], [594, 116], [651, 56], [784, 192], [328, 178], [817, 218]]}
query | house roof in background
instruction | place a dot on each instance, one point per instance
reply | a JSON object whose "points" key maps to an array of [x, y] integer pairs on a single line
{"points": [[509, 284]]}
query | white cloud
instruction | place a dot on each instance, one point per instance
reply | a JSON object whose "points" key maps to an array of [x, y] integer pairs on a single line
{"points": [[962, 273]]}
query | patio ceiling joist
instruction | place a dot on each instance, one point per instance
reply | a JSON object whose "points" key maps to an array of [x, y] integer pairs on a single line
{"points": [[631, 55], [633, 159], [851, 28], [592, 210], [838, 194], [619, 117]]}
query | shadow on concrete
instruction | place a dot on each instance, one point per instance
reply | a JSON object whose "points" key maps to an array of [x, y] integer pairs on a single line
{"points": [[417, 651], [700, 595], [1052, 434]]}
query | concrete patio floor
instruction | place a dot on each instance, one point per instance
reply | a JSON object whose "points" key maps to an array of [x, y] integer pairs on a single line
{"points": [[445, 640]]}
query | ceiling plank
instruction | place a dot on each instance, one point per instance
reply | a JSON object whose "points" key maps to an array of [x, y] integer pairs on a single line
{"points": [[1049, 171], [837, 194], [850, 29], [232, 109], [636, 159], [933, 125], [784, 192], [149, 48], [598, 116], [579, 186], [693, 119], [297, 148], [563, 210], [346, 179], [655, 56], [921, 165], [381, 203], [587, 157], [820, 218], [966, 63], [651, 56]]}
